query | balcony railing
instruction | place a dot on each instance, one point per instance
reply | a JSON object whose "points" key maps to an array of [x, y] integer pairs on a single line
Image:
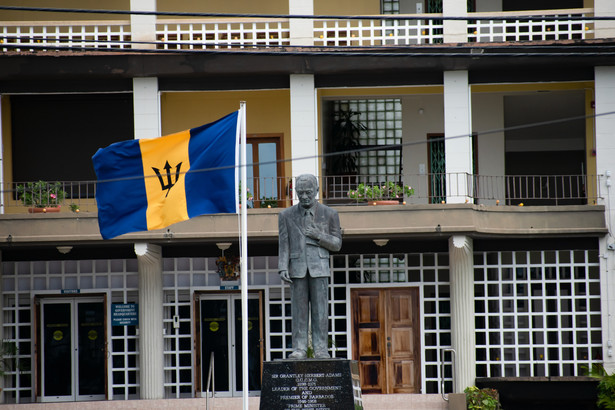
{"points": [[527, 26], [218, 33], [46, 35], [529, 190], [513, 190], [221, 33]]}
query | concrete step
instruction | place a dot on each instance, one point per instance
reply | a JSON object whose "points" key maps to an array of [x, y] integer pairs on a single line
{"points": [[370, 402]]}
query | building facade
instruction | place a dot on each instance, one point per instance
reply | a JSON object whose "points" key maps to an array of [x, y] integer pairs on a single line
{"points": [[498, 114]]}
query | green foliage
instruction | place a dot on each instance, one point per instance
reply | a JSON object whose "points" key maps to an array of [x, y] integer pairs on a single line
{"points": [[606, 387], [41, 194], [388, 190], [269, 202], [310, 349], [482, 399], [346, 134], [249, 195], [8, 360]]}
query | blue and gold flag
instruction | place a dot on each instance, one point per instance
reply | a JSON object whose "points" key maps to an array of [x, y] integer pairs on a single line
{"points": [[150, 184]]}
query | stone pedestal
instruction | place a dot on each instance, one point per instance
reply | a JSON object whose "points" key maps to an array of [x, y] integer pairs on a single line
{"points": [[330, 384]]}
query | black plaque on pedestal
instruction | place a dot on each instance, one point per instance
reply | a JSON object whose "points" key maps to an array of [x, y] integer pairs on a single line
{"points": [[329, 384]]}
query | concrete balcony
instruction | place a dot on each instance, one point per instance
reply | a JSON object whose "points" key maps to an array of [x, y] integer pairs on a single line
{"points": [[266, 31]]}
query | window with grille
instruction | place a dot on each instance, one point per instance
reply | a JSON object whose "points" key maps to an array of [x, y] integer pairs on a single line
{"points": [[537, 313], [23, 279], [383, 137], [390, 7]]}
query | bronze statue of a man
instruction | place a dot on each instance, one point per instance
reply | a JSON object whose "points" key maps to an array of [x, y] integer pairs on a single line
{"points": [[308, 231]]}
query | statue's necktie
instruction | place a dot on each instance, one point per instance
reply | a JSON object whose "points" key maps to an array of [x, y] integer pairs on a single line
{"points": [[307, 218]]}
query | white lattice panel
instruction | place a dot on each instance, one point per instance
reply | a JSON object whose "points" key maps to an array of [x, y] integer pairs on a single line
{"points": [[537, 313], [376, 32], [553, 27], [91, 34], [220, 34]]}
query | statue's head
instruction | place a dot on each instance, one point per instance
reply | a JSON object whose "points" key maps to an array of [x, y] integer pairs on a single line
{"points": [[306, 188]]}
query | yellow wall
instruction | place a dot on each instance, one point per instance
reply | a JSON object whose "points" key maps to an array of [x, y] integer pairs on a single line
{"points": [[225, 6], [73, 4], [346, 7], [267, 112]]}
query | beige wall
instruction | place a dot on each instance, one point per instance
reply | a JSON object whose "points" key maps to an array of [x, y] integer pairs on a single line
{"points": [[225, 6], [267, 112], [422, 115], [346, 7], [73, 4]]}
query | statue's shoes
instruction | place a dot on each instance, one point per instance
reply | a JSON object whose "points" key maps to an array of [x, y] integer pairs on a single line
{"points": [[297, 355], [322, 355]]}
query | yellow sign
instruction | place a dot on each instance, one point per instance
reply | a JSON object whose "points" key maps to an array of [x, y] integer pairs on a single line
{"points": [[58, 335], [214, 326], [92, 335]]}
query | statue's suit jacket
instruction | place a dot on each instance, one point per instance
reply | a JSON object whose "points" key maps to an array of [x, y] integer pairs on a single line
{"points": [[295, 254]]}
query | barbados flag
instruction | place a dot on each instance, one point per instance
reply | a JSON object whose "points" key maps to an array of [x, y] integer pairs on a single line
{"points": [[150, 184]]}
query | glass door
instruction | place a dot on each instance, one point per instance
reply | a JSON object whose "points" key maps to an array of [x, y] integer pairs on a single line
{"points": [[221, 334], [73, 353]]}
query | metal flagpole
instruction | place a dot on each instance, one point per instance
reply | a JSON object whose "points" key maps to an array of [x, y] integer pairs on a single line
{"points": [[244, 256]]}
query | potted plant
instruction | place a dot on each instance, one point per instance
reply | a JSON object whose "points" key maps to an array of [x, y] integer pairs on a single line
{"points": [[342, 164], [482, 399], [606, 386], [269, 202], [8, 352], [346, 134], [390, 192], [41, 196], [249, 196]]}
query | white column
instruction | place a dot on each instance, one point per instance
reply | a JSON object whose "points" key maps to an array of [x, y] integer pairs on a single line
{"points": [[457, 131], [604, 28], [146, 107], [143, 27], [151, 350], [461, 262], [301, 30], [604, 78], [455, 31], [304, 138]]}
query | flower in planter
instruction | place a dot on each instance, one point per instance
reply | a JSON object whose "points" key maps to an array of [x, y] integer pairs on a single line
{"points": [[41, 194], [387, 191]]}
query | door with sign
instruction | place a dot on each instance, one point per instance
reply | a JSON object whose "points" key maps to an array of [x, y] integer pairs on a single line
{"points": [[72, 343], [220, 334]]}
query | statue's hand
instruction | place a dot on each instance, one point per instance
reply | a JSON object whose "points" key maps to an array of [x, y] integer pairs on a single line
{"points": [[312, 232], [285, 277]]}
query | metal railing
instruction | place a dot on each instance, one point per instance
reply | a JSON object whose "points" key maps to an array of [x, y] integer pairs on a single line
{"points": [[217, 33], [528, 190], [39, 196], [211, 381], [277, 192], [453, 360]]}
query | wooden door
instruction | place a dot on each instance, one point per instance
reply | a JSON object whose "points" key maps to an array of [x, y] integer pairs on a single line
{"points": [[386, 338]]}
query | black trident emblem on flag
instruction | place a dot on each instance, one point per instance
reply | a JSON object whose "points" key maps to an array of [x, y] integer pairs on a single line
{"points": [[169, 184]]}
